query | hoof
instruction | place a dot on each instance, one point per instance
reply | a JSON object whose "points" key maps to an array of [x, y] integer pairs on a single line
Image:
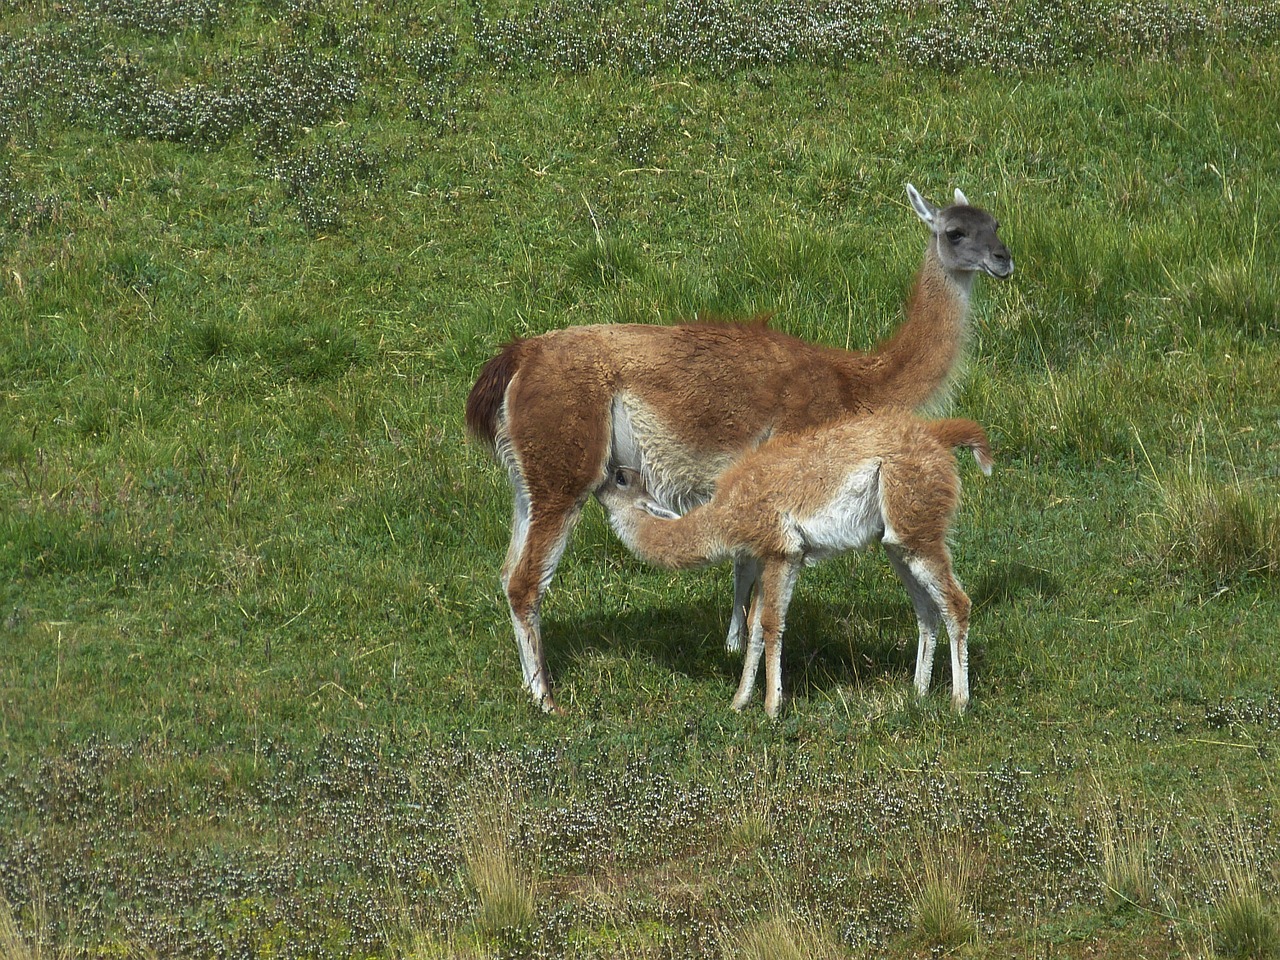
{"points": [[548, 706]]}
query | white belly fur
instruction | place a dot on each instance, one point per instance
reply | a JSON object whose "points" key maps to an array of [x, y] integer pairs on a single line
{"points": [[849, 521]]}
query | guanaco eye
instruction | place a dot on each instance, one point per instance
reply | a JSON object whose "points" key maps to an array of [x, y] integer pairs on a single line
{"points": [[954, 235], [620, 478]]}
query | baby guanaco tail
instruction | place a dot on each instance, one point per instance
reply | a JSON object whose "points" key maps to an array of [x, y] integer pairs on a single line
{"points": [[965, 433]]}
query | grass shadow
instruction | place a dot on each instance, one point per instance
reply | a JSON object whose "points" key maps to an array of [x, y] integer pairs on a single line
{"points": [[1005, 582]]}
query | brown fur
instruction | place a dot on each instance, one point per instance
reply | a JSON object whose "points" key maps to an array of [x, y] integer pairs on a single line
{"points": [[790, 501], [681, 403], [794, 476], [967, 434], [916, 364]]}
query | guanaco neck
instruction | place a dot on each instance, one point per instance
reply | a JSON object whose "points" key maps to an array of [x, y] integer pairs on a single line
{"points": [[687, 542], [915, 364]]}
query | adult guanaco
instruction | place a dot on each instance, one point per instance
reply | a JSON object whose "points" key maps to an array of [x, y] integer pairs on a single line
{"points": [[681, 403]]}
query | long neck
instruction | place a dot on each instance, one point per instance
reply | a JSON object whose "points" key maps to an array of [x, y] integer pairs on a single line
{"points": [[689, 541], [915, 364]]}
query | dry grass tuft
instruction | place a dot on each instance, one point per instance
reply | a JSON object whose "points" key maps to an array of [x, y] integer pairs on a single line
{"points": [[13, 945], [1243, 923], [1223, 527], [754, 821], [781, 935], [17, 945], [498, 873], [752, 829], [943, 884], [1245, 926], [423, 946], [1127, 841]]}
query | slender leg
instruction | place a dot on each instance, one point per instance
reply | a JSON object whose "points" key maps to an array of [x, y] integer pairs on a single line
{"points": [[519, 527], [956, 611], [519, 535], [927, 616], [537, 543], [751, 661], [933, 571], [746, 574], [777, 582], [555, 445]]}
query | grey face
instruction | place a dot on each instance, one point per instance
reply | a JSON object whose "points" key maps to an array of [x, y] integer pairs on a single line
{"points": [[968, 238]]}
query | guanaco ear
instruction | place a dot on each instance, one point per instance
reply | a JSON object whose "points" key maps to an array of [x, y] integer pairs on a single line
{"points": [[925, 210], [657, 510], [961, 199]]}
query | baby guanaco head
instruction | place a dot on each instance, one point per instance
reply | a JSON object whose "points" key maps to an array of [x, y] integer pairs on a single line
{"points": [[624, 491]]}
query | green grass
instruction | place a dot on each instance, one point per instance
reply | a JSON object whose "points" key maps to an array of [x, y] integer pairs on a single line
{"points": [[1241, 919], [253, 650]]}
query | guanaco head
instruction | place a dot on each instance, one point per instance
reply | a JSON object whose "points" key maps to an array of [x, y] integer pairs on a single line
{"points": [[629, 505], [968, 239], [624, 490]]}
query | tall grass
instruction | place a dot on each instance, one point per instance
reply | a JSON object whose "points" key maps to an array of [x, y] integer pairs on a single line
{"points": [[781, 935], [500, 874], [14, 945], [1127, 838], [418, 945], [44, 940], [752, 827], [1243, 920], [781, 931], [1222, 528], [942, 880]]}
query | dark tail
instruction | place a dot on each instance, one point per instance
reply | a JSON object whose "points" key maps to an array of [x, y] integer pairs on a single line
{"points": [[965, 433], [484, 403]]}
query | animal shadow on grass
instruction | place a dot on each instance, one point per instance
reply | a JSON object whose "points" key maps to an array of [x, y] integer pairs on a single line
{"points": [[866, 641], [1004, 582], [866, 637], [826, 644]]}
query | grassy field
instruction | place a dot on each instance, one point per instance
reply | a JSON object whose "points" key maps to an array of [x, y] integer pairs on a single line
{"points": [[259, 695]]}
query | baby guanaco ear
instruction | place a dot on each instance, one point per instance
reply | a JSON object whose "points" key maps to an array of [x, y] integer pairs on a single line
{"points": [[961, 199], [657, 510]]}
